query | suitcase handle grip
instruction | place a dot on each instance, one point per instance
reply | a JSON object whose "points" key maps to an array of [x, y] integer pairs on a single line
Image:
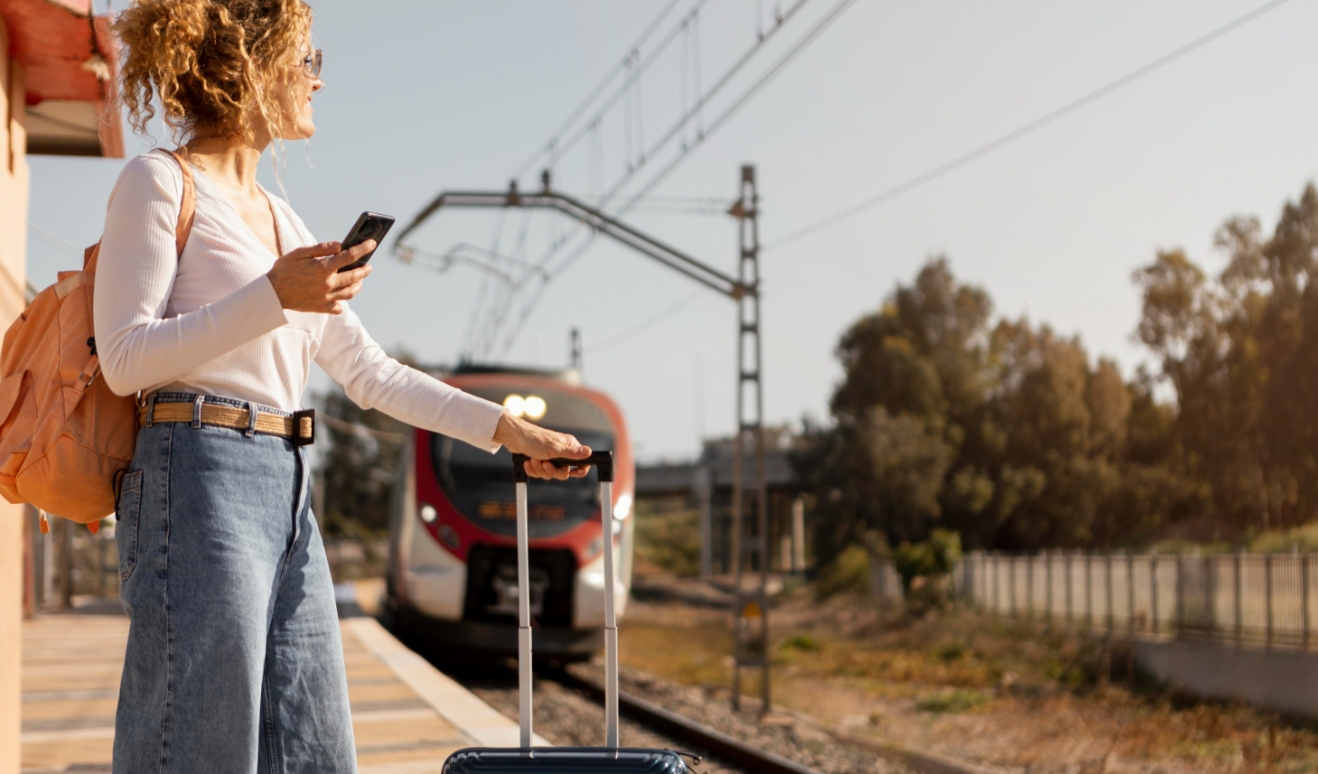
{"points": [[600, 459]]}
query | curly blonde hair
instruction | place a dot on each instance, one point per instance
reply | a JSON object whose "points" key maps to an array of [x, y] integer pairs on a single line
{"points": [[207, 61]]}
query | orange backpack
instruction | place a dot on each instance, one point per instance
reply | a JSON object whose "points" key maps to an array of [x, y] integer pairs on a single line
{"points": [[64, 435]]}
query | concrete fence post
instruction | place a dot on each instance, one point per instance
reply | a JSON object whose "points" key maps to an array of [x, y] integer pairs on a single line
{"points": [[1267, 595], [1110, 617], [1180, 595], [1130, 596], [1153, 590], [1089, 589], [1238, 563], [1029, 585], [1070, 606], [1048, 584], [1304, 601], [1011, 585]]}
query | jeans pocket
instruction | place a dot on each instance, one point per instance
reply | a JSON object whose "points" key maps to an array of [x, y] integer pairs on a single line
{"points": [[126, 512]]}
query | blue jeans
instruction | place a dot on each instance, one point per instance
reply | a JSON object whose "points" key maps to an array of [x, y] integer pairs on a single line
{"points": [[234, 662]]}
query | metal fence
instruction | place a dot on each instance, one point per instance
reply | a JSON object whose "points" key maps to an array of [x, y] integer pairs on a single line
{"points": [[1265, 599]]}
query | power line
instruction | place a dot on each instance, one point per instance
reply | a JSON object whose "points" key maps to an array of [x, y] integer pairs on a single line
{"points": [[741, 101], [696, 112], [1022, 130], [705, 97], [54, 241], [737, 104], [746, 96], [650, 323], [622, 66]]}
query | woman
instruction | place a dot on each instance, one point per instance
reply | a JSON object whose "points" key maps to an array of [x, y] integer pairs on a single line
{"points": [[234, 660]]}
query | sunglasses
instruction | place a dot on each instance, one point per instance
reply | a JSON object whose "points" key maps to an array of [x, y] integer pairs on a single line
{"points": [[312, 63]]}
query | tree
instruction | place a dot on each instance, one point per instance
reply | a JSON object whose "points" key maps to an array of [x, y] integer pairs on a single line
{"points": [[1239, 351], [999, 430]]}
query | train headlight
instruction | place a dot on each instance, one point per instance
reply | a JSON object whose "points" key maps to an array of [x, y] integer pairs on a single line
{"points": [[515, 404], [428, 514], [535, 407]]}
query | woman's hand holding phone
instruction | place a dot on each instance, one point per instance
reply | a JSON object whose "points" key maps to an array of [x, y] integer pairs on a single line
{"points": [[309, 279]]}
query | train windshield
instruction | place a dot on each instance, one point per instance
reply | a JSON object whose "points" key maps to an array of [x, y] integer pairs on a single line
{"points": [[480, 484]]}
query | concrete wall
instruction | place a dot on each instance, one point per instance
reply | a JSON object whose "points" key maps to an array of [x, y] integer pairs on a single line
{"points": [[13, 231], [1282, 680]]}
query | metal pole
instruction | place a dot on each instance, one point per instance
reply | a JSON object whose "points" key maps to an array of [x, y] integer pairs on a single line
{"points": [[610, 618], [750, 423], [798, 535], [703, 487], [524, 685], [66, 563]]}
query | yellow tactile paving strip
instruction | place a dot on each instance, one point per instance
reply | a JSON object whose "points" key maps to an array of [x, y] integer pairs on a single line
{"points": [[407, 716]]}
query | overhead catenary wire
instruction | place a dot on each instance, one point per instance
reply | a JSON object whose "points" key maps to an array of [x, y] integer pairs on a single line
{"points": [[55, 241], [740, 102], [635, 331], [703, 98], [633, 65], [1021, 131], [594, 94], [746, 96], [694, 112]]}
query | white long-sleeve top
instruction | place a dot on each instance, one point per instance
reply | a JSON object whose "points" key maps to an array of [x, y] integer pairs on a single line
{"points": [[209, 321]]}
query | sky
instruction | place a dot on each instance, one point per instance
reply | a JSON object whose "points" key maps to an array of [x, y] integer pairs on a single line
{"points": [[430, 95]]}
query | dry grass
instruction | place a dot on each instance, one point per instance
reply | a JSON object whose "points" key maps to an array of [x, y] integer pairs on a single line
{"points": [[1015, 694]]}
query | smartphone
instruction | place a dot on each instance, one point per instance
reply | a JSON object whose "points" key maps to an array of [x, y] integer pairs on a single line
{"points": [[369, 225]]}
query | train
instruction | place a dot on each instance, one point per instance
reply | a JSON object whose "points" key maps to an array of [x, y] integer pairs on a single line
{"points": [[452, 573]]}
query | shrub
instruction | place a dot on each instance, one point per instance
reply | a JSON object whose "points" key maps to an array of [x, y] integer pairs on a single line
{"points": [[802, 642], [959, 700], [849, 573], [924, 569]]}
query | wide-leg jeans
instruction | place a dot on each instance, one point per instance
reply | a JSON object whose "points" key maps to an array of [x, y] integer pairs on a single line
{"points": [[234, 662]]}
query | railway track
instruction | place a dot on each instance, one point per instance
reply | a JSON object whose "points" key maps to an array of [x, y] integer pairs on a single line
{"points": [[682, 729], [568, 710]]}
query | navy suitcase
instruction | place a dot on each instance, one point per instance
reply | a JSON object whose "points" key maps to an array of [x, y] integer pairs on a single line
{"points": [[609, 759]]}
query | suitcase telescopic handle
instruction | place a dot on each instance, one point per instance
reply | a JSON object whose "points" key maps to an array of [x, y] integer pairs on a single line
{"points": [[603, 462]]}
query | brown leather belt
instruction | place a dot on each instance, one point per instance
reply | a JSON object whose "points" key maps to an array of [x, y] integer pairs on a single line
{"points": [[220, 415]]}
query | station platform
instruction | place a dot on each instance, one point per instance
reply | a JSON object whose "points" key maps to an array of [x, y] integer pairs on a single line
{"points": [[407, 715]]}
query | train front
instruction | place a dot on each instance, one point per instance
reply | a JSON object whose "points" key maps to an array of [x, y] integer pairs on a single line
{"points": [[453, 559]]}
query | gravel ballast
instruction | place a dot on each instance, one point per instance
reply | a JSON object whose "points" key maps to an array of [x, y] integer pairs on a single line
{"points": [[565, 717]]}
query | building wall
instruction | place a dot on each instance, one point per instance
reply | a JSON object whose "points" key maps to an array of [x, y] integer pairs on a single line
{"points": [[13, 231]]}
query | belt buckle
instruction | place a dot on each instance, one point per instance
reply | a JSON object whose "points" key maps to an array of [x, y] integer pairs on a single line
{"points": [[298, 416]]}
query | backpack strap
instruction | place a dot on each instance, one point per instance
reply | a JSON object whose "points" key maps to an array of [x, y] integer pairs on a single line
{"points": [[187, 215]]}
